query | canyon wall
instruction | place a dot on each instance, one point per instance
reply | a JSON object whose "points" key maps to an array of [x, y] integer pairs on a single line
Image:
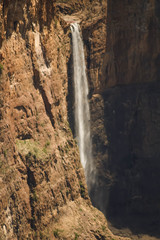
{"points": [[125, 114], [43, 193]]}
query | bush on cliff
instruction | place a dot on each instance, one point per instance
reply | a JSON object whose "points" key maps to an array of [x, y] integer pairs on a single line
{"points": [[1, 68]]}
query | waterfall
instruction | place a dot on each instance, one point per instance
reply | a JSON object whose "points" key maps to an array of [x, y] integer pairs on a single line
{"points": [[82, 112]]}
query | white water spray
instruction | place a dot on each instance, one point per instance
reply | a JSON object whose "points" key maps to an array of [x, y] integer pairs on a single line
{"points": [[82, 112]]}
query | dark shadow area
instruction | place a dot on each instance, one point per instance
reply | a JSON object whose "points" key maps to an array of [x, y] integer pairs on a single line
{"points": [[15, 25], [98, 194], [135, 225], [127, 187], [86, 33], [45, 17], [15, 18], [132, 123], [157, 9], [70, 96]]}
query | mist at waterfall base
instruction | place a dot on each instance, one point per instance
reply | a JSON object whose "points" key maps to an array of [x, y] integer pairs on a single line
{"points": [[82, 111]]}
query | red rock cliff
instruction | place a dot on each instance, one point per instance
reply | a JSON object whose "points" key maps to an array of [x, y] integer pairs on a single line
{"points": [[43, 193]]}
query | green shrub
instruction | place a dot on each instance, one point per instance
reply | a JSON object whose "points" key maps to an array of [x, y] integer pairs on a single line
{"points": [[57, 232], [31, 148], [76, 236], [1, 68], [34, 196], [47, 144], [103, 228], [82, 190], [5, 153], [44, 150]]}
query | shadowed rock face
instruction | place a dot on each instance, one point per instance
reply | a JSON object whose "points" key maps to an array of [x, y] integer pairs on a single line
{"points": [[125, 113], [126, 140], [132, 115], [133, 43]]}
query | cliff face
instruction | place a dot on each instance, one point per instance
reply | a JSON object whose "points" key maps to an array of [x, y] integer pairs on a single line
{"points": [[133, 44], [43, 193], [125, 116], [42, 187]]}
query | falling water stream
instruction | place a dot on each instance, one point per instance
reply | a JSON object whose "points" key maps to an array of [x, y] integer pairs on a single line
{"points": [[82, 112]]}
